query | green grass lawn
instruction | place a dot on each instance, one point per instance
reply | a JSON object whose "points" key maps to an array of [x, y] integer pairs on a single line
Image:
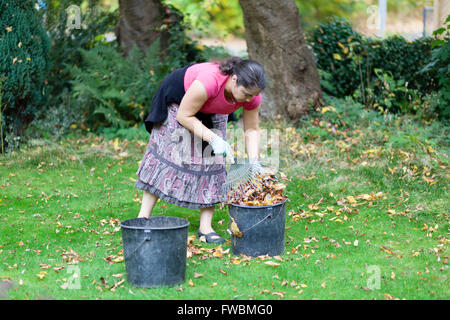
{"points": [[367, 218]]}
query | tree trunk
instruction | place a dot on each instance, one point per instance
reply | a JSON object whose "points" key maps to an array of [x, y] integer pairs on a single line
{"points": [[275, 39], [140, 22]]}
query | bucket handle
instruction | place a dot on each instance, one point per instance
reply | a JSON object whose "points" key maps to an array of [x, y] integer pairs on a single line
{"points": [[147, 237], [260, 221]]}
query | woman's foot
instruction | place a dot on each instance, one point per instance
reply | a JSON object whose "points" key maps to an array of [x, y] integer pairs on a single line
{"points": [[211, 237], [205, 229]]}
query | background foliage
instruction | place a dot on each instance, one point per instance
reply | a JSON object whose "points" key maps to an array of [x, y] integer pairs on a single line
{"points": [[25, 62], [386, 74], [87, 80]]}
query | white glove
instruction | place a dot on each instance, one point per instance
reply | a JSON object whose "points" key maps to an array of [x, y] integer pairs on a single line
{"points": [[221, 147]]}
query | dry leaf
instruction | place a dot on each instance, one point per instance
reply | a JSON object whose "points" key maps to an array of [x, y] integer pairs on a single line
{"points": [[234, 228], [223, 272], [272, 264], [198, 275], [279, 293], [191, 283]]}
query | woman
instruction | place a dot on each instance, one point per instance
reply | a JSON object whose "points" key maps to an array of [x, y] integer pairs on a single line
{"points": [[192, 104]]}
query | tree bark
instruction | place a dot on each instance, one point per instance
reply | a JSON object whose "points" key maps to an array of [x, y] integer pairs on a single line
{"points": [[275, 39], [140, 22]]}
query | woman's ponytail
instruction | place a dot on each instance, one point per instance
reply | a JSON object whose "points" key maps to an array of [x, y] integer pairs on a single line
{"points": [[227, 66]]}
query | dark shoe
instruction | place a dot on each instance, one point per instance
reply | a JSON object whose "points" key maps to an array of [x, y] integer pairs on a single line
{"points": [[211, 237]]}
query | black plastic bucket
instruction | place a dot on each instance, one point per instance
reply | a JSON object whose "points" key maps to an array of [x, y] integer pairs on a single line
{"points": [[262, 229], [155, 251]]}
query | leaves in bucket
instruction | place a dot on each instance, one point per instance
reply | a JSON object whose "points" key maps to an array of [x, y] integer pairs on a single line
{"points": [[266, 190]]}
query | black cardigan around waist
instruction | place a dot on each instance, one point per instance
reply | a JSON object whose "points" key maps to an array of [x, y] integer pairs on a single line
{"points": [[171, 90]]}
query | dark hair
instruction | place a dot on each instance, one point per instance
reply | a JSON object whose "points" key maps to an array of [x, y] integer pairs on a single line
{"points": [[250, 74]]}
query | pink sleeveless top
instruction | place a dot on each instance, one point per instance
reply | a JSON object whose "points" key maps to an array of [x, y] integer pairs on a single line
{"points": [[214, 82]]}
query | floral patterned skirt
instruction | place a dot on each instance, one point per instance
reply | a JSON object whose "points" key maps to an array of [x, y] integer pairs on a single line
{"points": [[178, 169]]}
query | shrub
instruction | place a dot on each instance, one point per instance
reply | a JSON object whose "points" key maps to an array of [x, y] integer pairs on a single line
{"points": [[403, 59], [66, 43], [111, 90], [24, 60], [335, 45], [93, 85], [380, 73], [440, 64]]}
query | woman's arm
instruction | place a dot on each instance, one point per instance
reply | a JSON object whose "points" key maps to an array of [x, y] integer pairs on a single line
{"points": [[193, 100], [251, 130]]}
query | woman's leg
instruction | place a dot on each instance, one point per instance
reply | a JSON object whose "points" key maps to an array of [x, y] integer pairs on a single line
{"points": [[206, 215], [148, 202]]}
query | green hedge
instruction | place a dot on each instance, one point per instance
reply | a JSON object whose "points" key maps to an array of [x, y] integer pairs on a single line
{"points": [[381, 73], [24, 60]]}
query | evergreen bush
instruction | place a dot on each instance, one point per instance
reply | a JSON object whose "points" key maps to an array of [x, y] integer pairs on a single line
{"points": [[440, 63], [381, 73], [24, 61]]}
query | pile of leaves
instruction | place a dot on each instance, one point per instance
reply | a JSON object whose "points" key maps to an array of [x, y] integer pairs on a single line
{"points": [[264, 190]]}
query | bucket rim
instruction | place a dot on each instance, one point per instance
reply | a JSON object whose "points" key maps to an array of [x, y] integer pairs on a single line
{"points": [[186, 224], [258, 207]]}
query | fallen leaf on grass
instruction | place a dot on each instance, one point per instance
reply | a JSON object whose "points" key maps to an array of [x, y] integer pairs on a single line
{"points": [[113, 289], [278, 258], [114, 259], [191, 283], [191, 239], [198, 275], [57, 269], [279, 294], [223, 272], [272, 264], [387, 250]]}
